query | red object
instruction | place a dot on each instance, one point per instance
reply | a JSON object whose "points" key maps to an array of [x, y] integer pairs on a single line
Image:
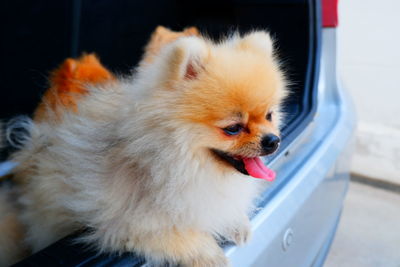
{"points": [[330, 13]]}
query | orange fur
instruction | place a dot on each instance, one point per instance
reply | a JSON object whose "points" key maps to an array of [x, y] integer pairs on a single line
{"points": [[163, 36], [221, 93], [68, 84], [69, 80]]}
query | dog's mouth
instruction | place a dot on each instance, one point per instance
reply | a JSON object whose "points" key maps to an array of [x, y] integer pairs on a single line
{"points": [[249, 166]]}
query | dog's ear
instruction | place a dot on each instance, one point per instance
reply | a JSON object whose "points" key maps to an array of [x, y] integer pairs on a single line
{"points": [[257, 41], [191, 31], [185, 59]]}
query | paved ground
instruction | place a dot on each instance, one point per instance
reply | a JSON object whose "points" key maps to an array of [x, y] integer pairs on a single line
{"points": [[369, 231]]}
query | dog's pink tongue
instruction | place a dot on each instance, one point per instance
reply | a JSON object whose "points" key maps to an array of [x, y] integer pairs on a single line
{"points": [[256, 168]]}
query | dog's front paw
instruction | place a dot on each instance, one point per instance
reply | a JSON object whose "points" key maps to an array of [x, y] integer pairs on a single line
{"points": [[188, 248], [218, 260], [241, 234]]}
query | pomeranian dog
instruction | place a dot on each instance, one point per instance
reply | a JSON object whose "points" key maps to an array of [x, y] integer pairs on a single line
{"points": [[161, 163]]}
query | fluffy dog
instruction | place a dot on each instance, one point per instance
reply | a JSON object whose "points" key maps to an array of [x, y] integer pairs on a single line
{"points": [[159, 163]]}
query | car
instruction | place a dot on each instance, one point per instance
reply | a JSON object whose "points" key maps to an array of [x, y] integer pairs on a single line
{"points": [[297, 215]]}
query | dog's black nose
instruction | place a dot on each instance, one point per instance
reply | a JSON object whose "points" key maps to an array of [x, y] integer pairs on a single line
{"points": [[270, 143]]}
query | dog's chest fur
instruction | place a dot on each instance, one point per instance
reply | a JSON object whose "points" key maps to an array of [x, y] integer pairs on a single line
{"points": [[140, 184]]}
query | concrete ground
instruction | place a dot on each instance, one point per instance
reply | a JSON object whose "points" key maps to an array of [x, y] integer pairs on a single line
{"points": [[369, 65], [369, 230]]}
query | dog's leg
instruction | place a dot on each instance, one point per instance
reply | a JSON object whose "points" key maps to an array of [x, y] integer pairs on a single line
{"points": [[12, 246], [189, 248], [241, 234]]}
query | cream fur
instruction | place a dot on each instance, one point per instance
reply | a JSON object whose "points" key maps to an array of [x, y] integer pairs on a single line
{"points": [[130, 168], [12, 248]]}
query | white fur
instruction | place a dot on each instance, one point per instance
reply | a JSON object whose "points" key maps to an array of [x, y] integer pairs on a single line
{"points": [[126, 168], [98, 170]]}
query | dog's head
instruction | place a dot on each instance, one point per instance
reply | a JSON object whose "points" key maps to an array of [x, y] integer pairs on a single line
{"points": [[231, 93]]}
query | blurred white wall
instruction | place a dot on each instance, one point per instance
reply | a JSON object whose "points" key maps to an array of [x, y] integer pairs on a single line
{"points": [[369, 65]]}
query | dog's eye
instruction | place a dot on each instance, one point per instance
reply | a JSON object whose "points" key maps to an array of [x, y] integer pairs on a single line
{"points": [[233, 129], [269, 116]]}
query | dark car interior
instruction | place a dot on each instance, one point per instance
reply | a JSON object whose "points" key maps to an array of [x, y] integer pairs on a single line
{"points": [[39, 35]]}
